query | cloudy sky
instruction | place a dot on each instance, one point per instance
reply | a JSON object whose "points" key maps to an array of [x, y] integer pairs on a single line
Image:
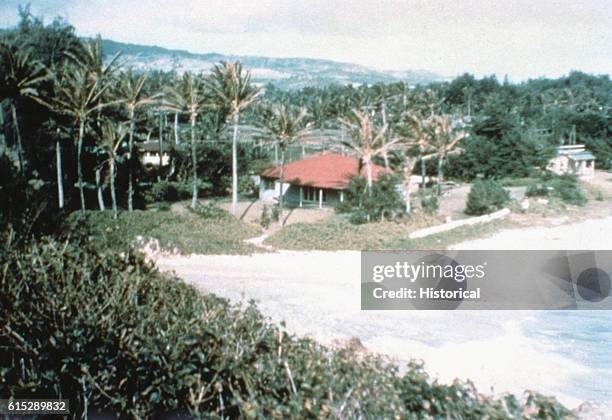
{"points": [[520, 38]]}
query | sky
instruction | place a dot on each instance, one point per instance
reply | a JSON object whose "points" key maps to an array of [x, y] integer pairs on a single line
{"points": [[518, 38]]}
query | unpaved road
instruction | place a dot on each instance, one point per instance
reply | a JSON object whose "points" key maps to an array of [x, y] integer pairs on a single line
{"points": [[318, 295], [589, 234]]}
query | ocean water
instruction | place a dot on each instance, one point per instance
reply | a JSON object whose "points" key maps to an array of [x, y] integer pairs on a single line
{"points": [[584, 337]]}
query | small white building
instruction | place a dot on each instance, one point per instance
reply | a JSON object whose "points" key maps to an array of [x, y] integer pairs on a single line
{"points": [[573, 159], [149, 153]]}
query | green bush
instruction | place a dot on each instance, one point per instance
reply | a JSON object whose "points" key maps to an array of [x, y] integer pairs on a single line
{"points": [[383, 202], [275, 213], [429, 202], [563, 187], [265, 220], [162, 191], [210, 211], [247, 187], [486, 196], [115, 336], [174, 190]]}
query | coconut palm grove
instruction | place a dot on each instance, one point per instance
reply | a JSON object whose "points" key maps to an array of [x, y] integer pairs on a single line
{"points": [[95, 157]]}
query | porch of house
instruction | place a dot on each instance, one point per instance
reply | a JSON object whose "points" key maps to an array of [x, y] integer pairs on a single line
{"points": [[300, 195]]}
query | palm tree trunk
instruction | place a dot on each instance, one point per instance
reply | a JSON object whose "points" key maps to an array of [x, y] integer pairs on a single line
{"points": [[161, 148], [18, 137], [176, 128], [131, 163], [369, 174], [440, 174], [79, 163], [58, 167], [282, 180], [423, 173], [407, 186], [99, 188], [408, 192], [194, 197], [2, 135], [235, 164], [112, 185]]}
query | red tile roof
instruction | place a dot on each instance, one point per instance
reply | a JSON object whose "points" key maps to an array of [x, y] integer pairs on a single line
{"points": [[328, 170]]}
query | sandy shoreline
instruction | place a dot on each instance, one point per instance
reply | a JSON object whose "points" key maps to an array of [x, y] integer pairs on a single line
{"points": [[317, 294]]}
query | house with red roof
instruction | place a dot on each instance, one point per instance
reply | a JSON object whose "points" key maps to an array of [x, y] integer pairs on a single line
{"points": [[315, 181]]}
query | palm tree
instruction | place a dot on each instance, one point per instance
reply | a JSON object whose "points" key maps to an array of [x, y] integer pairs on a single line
{"points": [[113, 135], [233, 92], [131, 89], [20, 77], [443, 140], [78, 96], [365, 140], [286, 126], [91, 57], [189, 97], [420, 135]]}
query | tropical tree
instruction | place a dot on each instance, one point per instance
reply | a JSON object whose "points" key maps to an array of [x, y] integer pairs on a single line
{"points": [[132, 91], [189, 97], [444, 138], [78, 96], [20, 77], [366, 140], [420, 135], [286, 126], [233, 92], [113, 135], [91, 57]]}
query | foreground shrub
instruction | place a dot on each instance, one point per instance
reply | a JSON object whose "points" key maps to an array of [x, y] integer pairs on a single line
{"points": [[115, 336], [563, 187], [486, 196]]}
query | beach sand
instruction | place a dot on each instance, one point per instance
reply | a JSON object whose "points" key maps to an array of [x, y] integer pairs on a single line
{"points": [[317, 294]]}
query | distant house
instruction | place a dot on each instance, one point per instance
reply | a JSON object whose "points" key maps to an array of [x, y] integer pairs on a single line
{"points": [[573, 159], [316, 181], [148, 152]]}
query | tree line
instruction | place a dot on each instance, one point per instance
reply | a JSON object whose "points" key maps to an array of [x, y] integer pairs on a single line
{"points": [[71, 120]]}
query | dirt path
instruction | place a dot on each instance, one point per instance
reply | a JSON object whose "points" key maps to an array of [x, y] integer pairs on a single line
{"points": [[589, 234]]}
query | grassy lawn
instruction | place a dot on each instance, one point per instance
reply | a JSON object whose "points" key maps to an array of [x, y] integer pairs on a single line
{"points": [[186, 232], [337, 233], [443, 240]]}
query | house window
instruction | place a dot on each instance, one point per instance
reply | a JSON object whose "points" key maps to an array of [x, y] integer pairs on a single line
{"points": [[312, 194], [268, 184]]}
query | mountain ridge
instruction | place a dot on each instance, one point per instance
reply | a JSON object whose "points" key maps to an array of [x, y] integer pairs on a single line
{"points": [[284, 73]]}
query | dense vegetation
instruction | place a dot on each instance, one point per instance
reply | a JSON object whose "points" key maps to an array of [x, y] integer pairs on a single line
{"points": [[116, 337], [72, 120], [561, 187]]}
